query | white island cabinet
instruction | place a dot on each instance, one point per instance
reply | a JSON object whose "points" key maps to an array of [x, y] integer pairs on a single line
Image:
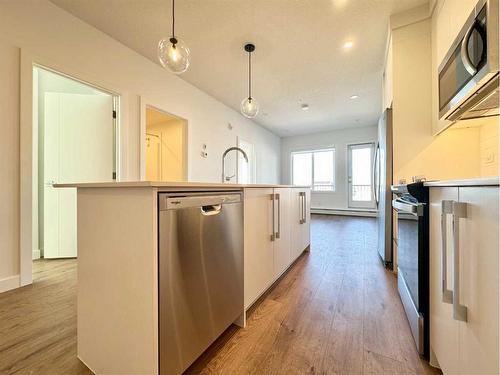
{"points": [[118, 303], [277, 231], [464, 280]]}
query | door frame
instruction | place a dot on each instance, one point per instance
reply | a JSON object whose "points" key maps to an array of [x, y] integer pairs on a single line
{"points": [[28, 159], [350, 146]]}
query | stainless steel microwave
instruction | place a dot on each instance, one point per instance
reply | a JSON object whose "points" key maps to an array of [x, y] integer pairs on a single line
{"points": [[468, 75]]}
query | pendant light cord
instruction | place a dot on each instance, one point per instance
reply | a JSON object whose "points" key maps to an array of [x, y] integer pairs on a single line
{"points": [[173, 18], [249, 75]]}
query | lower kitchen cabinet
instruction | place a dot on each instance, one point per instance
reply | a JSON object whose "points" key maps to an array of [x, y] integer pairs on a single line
{"points": [[258, 244], [282, 242], [464, 268], [277, 230], [300, 202]]}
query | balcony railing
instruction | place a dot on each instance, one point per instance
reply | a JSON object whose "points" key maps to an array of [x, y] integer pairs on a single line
{"points": [[362, 193], [324, 187]]}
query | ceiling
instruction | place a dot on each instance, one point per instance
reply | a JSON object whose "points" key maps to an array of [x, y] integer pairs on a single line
{"points": [[299, 55]]}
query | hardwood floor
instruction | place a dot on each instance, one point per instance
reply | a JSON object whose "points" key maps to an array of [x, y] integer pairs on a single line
{"points": [[38, 323], [336, 311]]}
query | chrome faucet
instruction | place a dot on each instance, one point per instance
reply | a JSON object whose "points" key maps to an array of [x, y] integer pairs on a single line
{"points": [[228, 178]]}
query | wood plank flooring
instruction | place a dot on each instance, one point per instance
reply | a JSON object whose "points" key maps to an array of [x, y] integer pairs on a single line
{"points": [[336, 311], [38, 323]]}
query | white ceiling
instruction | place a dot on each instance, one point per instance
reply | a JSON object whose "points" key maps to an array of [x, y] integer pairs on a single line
{"points": [[299, 55]]}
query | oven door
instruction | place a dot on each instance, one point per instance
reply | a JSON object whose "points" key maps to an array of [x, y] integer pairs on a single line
{"points": [[409, 217]]}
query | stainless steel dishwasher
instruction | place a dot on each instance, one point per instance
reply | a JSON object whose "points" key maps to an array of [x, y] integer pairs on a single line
{"points": [[200, 273]]}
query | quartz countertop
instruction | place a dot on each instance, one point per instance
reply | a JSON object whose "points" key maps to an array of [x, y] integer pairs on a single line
{"points": [[169, 184], [480, 181]]}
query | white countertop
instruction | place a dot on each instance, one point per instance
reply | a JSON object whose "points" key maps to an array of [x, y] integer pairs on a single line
{"points": [[481, 181], [169, 184]]}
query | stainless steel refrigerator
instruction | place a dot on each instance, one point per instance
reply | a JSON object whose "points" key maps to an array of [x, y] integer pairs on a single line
{"points": [[382, 182]]}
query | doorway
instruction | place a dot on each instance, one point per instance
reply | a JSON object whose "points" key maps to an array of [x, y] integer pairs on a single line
{"points": [[76, 128], [360, 175], [165, 146]]}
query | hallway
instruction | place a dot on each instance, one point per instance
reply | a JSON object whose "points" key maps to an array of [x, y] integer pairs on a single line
{"points": [[336, 311]]}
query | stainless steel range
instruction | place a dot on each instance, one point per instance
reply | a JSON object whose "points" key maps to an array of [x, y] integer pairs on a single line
{"points": [[412, 207]]}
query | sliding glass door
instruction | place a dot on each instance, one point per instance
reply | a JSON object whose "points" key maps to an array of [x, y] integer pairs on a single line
{"points": [[360, 175]]}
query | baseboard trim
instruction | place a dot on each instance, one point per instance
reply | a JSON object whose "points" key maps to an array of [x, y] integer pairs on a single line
{"points": [[10, 283], [344, 212], [36, 254]]}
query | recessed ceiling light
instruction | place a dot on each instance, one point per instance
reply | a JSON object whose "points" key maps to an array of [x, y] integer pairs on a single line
{"points": [[354, 96], [348, 44], [304, 107]]}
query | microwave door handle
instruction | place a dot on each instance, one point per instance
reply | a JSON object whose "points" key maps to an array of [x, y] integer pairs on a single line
{"points": [[464, 51]]}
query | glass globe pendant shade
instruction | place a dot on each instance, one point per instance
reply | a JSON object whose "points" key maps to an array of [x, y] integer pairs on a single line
{"points": [[173, 55], [249, 107]]}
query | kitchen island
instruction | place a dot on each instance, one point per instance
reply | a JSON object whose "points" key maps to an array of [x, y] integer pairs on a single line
{"points": [[120, 272]]}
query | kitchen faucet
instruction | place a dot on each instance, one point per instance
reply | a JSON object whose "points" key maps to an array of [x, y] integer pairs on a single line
{"points": [[228, 178]]}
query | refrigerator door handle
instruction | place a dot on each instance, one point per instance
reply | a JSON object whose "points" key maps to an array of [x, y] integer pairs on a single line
{"points": [[375, 172]]}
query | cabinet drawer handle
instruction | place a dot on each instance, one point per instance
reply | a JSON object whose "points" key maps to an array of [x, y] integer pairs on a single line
{"points": [[305, 207], [446, 209], [278, 232], [272, 234], [301, 202], [459, 211]]}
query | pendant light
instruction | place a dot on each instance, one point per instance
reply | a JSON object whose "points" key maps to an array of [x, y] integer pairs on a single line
{"points": [[172, 52], [249, 106]]}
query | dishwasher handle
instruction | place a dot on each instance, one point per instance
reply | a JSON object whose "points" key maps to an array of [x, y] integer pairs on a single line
{"points": [[178, 202], [211, 210]]}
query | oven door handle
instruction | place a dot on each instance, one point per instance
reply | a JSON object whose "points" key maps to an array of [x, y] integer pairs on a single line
{"points": [[412, 208]]}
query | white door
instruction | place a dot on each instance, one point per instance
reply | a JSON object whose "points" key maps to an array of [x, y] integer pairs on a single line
{"points": [[153, 158], [78, 147], [246, 170], [360, 175]]}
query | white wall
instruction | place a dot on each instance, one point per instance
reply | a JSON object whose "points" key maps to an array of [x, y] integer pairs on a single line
{"points": [[339, 139], [9, 167], [40, 31]]}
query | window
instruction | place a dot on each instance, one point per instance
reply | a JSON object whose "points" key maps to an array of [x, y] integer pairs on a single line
{"points": [[315, 168]]}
